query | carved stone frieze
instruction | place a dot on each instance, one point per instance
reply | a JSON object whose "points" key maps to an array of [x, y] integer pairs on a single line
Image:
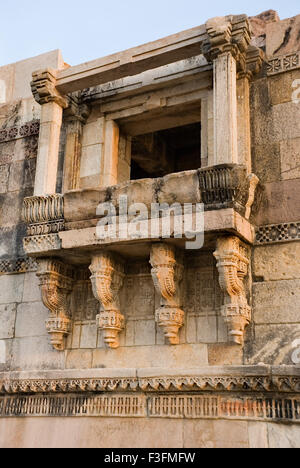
{"points": [[41, 244], [273, 233], [283, 63], [258, 380], [27, 130], [167, 274], [56, 282], [107, 280], [232, 263], [44, 90], [124, 405], [17, 265]]}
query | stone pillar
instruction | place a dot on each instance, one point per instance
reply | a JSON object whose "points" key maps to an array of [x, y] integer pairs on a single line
{"points": [[107, 279], [45, 93], [253, 63], [228, 40], [225, 110], [76, 116], [111, 154]]}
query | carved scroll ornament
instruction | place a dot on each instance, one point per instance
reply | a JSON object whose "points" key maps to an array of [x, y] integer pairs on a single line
{"points": [[56, 282], [232, 264], [167, 275], [107, 280]]}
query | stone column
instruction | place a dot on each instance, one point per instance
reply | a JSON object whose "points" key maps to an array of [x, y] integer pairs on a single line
{"points": [[228, 40], [111, 154], [225, 110], [45, 93], [75, 116]]}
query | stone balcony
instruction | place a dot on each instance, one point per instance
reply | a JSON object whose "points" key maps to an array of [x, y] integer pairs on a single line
{"points": [[65, 225], [63, 237]]}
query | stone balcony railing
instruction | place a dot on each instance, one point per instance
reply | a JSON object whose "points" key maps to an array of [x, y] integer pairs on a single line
{"points": [[62, 236]]}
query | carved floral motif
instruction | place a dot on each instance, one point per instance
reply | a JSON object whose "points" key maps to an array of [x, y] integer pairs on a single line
{"points": [[167, 274], [232, 263], [107, 280]]}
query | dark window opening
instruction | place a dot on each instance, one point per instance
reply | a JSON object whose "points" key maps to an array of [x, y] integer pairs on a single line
{"points": [[166, 151]]}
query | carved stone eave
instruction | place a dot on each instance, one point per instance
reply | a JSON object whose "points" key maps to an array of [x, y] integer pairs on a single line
{"points": [[167, 274], [44, 90], [232, 263], [56, 283], [245, 379], [107, 279]]}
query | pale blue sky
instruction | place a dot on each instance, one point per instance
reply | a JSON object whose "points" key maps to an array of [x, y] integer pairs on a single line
{"points": [[88, 29]]}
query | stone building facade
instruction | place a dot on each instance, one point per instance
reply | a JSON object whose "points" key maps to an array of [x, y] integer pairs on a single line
{"points": [[136, 341]]}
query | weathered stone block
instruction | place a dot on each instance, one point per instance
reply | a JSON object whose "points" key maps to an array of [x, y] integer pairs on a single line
{"points": [[32, 292], [149, 356], [7, 320], [283, 436], [290, 159], [276, 302], [273, 344], [258, 435], [4, 174], [277, 262], [266, 162], [88, 335], [35, 353], [79, 359], [31, 318], [225, 355], [11, 288]]}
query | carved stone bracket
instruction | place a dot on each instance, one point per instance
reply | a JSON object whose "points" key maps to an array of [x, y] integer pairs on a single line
{"points": [[44, 90], [233, 261], [107, 280], [232, 34], [56, 282], [167, 274]]}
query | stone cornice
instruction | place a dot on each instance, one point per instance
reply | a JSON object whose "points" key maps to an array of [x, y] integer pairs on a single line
{"points": [[261, 379]]}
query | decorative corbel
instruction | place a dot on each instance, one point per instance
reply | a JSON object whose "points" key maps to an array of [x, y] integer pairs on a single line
{"points": [[44, 90], [232, 263], [107, 279], [167, 274], [56, 282]]}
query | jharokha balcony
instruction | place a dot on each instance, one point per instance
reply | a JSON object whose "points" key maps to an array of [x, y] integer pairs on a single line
{"points": [[163, 129]]}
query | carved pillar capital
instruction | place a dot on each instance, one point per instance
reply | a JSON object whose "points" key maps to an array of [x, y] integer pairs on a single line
{"points": [[167, 273], [232, 262], [76, 110], [230, 34], [107, 279], [56, 282], [44, 90]]}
